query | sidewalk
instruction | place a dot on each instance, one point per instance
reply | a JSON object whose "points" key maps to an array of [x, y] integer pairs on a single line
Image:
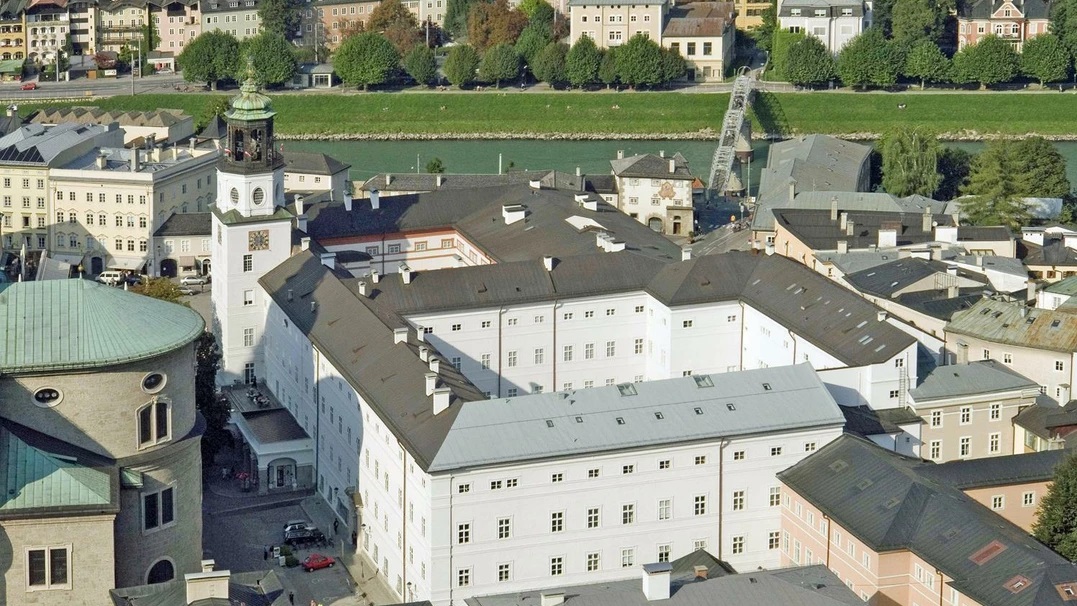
{"points": [[373, 588]]}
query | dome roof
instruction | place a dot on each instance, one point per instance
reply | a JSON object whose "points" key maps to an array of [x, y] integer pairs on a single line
{"points": [[249, 104]]}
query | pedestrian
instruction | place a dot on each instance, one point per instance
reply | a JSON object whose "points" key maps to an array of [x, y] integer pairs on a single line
{"points": [[336, 524], [291, 598], [265, 553]]}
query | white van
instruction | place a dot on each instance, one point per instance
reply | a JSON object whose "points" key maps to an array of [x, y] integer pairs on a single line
{"points": [[110, 277]]}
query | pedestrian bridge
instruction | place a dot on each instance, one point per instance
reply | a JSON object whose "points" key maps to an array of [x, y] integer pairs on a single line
{"points": [[739, 101]]}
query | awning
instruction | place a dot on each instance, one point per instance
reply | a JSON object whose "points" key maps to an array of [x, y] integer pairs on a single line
{"points": [[73, 260], [186, 262], [126, 263]]}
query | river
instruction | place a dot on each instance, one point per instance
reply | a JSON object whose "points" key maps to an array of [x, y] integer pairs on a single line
{"points": [[368, 158]]}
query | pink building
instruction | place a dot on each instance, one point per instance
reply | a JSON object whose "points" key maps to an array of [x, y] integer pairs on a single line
{"points": [[1012, 20], [177, 24]]}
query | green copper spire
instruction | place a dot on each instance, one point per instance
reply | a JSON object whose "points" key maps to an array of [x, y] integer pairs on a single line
{"points": [[249, 104]]}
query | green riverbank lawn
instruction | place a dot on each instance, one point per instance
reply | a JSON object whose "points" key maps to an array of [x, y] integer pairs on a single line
{"points": [[584, 115]]}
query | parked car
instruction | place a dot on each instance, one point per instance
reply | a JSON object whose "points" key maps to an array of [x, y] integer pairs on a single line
{"points": [[29, 86], [304, 536], [110, 277], [133, 279], [293, 525], [316, 560], [193, 280]]}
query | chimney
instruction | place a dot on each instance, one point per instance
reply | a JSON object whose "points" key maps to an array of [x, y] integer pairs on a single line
{"points": [[388, 179], [362, 288], [850, 228], [347, 202], [435, 364], [661, 153], [620, 154], [300, 207], [656, 581], [151, 141], [304, 243], [441, 399], [329, 259], [770, 248], [552, 599], [1030, 291], [207, 585], [951, 271], [686, 254], [843, 247], [887, 238], [834, 208], [952, 291], [102, 161], [405, 273], [672, 166], [844, 221], [579, 173], [792, 191], [10, 111], [191, 145], [925, 221], [374, 276], [513, 213], [207, 565], [880, 315], [936, 253], [547, 262], [400, 335], [431, 382], [439, 178], [946, 233], [301, 223], [313, 306], [962, 353], [134, 160], [375, 199], [535, 184], [289, 294], [424, 353], [1064, 396]]}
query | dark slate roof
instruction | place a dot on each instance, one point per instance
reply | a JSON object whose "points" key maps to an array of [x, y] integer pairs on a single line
{"points": [[814, 228], [997, 471], [1034, 418], [891, 503], [313, 163], [601, 184], [9, 124], [939, 304], [256, 588], [477, 215], [275, 425], [983, 9], [651, 166], [427, 182], [186, 224], [217, 128], [709, 19], [1066, 417], [1052, 253], [886, 279], [360, 344], [979, 377]]}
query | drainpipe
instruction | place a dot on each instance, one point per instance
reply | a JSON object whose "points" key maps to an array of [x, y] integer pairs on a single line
{"points": [[721, 493], [500, 349], [404, 520], [793, 338], [827, 518], [556, 304], [452, 531], [317, 418], [741, 343]]}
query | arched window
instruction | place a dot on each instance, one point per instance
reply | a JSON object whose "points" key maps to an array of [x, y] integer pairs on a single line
{"points": [[161, 572], [61, 240], [73, 241]]}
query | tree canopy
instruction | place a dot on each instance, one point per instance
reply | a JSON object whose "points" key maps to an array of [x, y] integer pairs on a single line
{"points": [[607, 66], [582, 62], [493, 23], [532, 40], [639, 62], [461, 64], [779, 54], [456, 12], [279, 17], [910, 158], [1064, 23], [926, 63], [549, 65], [273, 57], [213, 409], [809, 63], [1056, 518], [365, 59], [397, 24], [914, 20], [870, 60], [990, 61], [421, 65], [1045, 58], [210, 58], [1007, 171], [499, 63]]}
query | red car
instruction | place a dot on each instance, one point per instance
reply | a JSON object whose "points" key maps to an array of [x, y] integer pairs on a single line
{"points": [[316, 561], [30, 86]]}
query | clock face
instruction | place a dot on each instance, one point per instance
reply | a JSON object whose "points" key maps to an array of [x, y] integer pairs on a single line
{"points": [[258, 240]]}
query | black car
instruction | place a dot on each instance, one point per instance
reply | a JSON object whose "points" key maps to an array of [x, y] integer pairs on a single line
{"points": [[304, 536]]}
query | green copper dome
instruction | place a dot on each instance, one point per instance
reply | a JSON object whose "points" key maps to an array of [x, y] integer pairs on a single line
{"points": [[249, 104]]}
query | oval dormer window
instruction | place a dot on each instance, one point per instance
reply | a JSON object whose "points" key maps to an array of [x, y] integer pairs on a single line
{"points": [[153, 382], [47, 397], [235, 196], [259, 196]]}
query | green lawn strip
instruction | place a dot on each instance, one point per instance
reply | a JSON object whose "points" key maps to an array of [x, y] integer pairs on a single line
{"points": [[597, 114]]}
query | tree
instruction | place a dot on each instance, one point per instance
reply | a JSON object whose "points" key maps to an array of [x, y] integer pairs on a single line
{"points": [[990, 61], [639, 62], [365, 59], [279, 17], [869, 60], [809, 63], [607, 66], [532, 40], [1045, 58], [500, 63], [914, 20], [435, 166], [421, 65], [210, 58], [779, 54], [1041, 169], [674, 66], [882, 12], [274, 60], [954, 165], [528, 7], [213, 409], [764, 34], [456, 12], [159, 288], [397, 24], [104, 61], [461, 64], [1056, 517], [926, 63], [1064, 23], [994, 188], [910, 159], [582, 62], [549, 65], [490, 24]]}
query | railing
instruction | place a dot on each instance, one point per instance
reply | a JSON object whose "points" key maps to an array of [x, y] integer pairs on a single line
{"points": [[739, 100]]}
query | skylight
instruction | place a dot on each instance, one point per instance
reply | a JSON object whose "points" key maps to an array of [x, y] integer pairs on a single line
{"points": [[985, 553], [703, 381], [698, 410], [620, 420], [730, 407], [626, 389]]}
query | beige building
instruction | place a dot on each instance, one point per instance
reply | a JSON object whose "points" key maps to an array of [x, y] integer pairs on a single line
{"points": [[900, 531], [109, 202], [704, 34], [237, 17], [12, 36], [656, 191], [311, 172], [162, 125], [124, 471], [611, 23], [968, 410]]}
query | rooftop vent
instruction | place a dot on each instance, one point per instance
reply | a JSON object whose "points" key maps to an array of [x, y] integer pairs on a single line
{"points": [[552, 599], [838, 466], [579, 419], [730, 406], [865, 483], [620, 420], [513, 213], [698, 410], [892, 502], [1067, 591], [766, 386], [549, 423], [1017, 584], [659, 416]]}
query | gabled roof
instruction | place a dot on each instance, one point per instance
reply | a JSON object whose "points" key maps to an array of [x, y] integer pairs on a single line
{"points": [[1053, 253], [893, 503], [651, 166], [33, 478], [939, 304], [983, 9], [428, 182], [997, 471], [95, 115], [698, 19], [255, 588], [816, 230], [889, 278], [313, 163], [1016, 324], [80, 324], [216, 128], [1067, 286], [186, 224], [959, 380]]}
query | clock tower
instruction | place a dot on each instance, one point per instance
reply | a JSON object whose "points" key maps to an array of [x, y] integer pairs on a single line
{"points": [[252, 231]]}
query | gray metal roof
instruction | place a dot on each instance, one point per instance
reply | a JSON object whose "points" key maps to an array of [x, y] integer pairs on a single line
{"points": [[980, 377], [275, 425], [891, 503], [650, 166], [186, 224], [889, 278], [638, 415], [425, 182], [1053, 253], [709, 19], [1016, 324], [313, 163], [802, 586], [997, 471], [815, 228]]}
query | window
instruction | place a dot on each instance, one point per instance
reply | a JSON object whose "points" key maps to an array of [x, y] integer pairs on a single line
{"points": [[447, 243], [248, 263], [462, 489], [894, 393], [628, 513], [463, 533], [1028, 499], [637, 346], [456, 327], [698, 544], [936, 450], [540, 355], [557, 521], [589, 351], [628, 557], [966, 415], [496, 485], [773, 539], [484, 361], [567, 316], [987, 354], [1060, 365], [738, 455], [153, 422], [738, 500], [594, 561], [936, 418], [463, 577], [701, 459], [504, 528], [965, 446], [996, 411], [775, 451], [512, 359], [1007, 358], [504, 572], [998, 502], [511, 321], [738, 544], [592, 517], [686, 324], [611, 348], [557, 477], [589, 314], [994, 441], [663, 553], [700, 505], [775, 496], [47, 568], [664, 463], [248, 337], [664, 509], [158, 510], [557, 566]]}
